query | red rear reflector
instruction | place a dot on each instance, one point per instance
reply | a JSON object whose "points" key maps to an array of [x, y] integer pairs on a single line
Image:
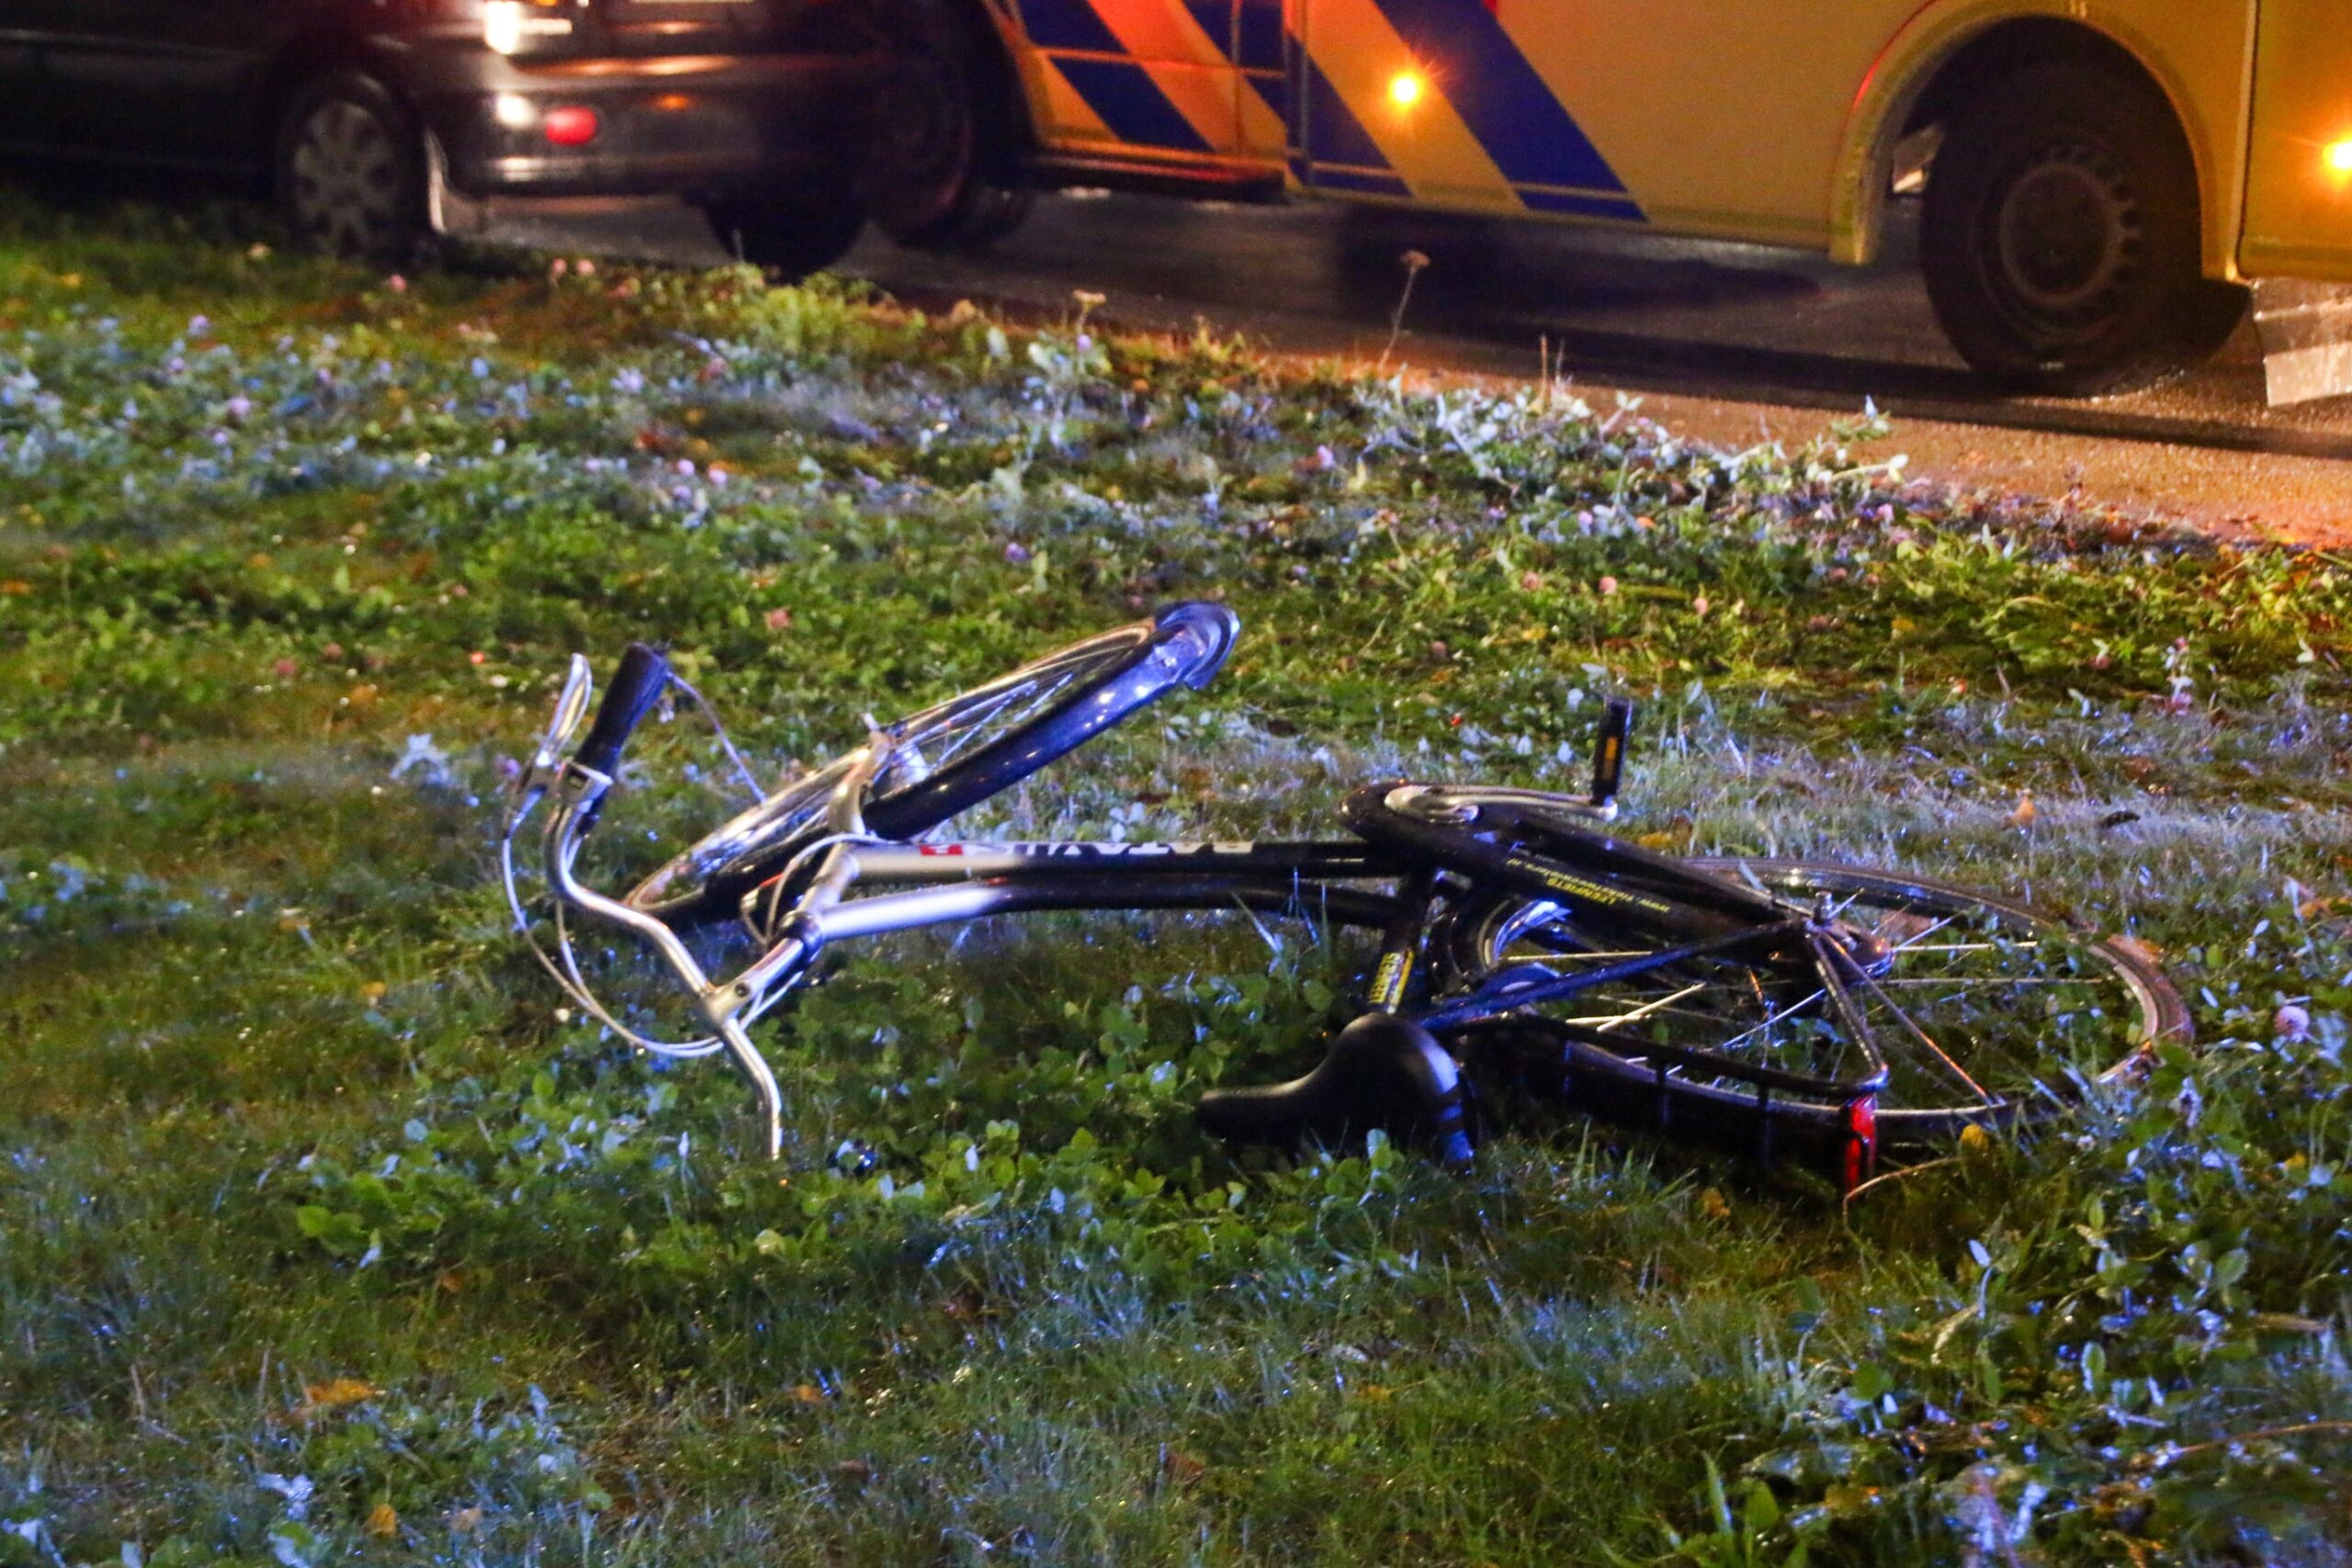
{"points": [[1862, 1142], [571, 126]]}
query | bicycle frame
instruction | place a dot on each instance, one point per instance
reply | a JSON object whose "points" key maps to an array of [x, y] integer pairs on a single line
{"points": [[809, 906]]}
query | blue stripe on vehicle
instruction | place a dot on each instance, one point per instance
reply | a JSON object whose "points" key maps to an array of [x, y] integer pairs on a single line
{"points": [[1261, 36], [1216, 20], [1581, 206], [1131, 104], [1067, 24], [1499, 95], [1294, 99], [1334, 134], [1269, 86]]}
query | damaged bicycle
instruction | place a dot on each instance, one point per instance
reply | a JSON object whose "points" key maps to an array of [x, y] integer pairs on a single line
{"points": [[1813, 1012]]}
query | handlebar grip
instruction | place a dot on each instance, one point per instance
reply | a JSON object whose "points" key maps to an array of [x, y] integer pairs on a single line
{"points": [[637, 686]]}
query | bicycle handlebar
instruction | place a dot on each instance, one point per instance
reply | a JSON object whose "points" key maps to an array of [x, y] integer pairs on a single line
{"points": [[636, 684]]}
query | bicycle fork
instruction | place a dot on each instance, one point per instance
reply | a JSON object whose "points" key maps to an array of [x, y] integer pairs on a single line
{"points": [[721, 1005]]}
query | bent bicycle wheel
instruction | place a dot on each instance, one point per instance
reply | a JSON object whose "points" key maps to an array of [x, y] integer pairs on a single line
{"points": [[1983, 1011], [953, 755]]}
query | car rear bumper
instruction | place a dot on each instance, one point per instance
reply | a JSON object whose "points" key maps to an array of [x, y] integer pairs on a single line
{"points": [[680, 125]]}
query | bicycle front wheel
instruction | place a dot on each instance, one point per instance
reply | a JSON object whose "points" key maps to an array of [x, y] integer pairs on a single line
{"points": [[954, 754], [1983, 1011]]}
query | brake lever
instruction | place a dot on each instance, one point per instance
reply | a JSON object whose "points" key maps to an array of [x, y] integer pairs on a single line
{"points": [[546, 767]]}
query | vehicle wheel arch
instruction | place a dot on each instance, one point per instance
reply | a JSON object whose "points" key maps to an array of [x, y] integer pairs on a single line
{"points": [[319, 51], [1943, 61], [946, 157], [996, 31]]}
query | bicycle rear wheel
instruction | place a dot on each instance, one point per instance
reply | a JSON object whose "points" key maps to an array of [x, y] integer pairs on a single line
{"points": [[1985, 1011], [953, 755]]}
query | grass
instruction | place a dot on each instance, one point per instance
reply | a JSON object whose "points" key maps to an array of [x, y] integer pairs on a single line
{"points": [[325, 1234]]}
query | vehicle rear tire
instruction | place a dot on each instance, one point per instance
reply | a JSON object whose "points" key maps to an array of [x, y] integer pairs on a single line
{"points": [[803, 230], [940, 170], [2061, 239], [350, 172]]}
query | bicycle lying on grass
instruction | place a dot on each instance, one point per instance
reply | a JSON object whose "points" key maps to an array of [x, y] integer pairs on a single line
{"points": [[1789, 1010]]}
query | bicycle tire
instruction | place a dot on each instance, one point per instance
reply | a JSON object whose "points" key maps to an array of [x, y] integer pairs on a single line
{"points": [[994, 734], [1602, 1068]]}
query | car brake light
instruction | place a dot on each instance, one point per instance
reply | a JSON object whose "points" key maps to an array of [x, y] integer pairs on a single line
{"points": [[569, 125]]}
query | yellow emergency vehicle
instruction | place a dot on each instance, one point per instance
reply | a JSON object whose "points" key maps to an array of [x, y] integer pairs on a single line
{"points": [[2102, 176]]}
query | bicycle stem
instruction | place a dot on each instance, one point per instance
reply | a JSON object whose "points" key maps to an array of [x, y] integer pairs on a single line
{"points": [[801, 942], [743, 997], [845, 807]]}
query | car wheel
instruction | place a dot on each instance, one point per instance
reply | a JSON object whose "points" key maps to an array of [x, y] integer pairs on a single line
{"points": [[351, 176], [2061, 239], [938, 173], [795, 233]]}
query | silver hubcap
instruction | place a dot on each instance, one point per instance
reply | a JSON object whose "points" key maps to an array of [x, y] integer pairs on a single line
{"points": [[346, 179], [2068, 235]]}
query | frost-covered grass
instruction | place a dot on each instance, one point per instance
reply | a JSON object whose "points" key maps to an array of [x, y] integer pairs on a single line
{"points": [[325, 1234]]}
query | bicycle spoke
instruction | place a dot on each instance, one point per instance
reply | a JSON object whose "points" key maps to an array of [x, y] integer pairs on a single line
{"points": [[969, 722], [1613, 1020], [1911, 944], [1604, 953], [1964, 983], [1912, 1026], [1976, 947], [1781, 1017]]}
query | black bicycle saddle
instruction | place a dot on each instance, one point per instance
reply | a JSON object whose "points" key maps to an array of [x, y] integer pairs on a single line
{"points": [[1382, 1071]]}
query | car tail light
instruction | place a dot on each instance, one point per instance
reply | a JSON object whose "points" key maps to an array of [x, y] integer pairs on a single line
{"points": [[569, 125]]}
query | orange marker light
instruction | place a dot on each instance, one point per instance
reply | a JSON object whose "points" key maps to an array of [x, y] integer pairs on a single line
{"points": [[2338, 156], [1405, 89]]}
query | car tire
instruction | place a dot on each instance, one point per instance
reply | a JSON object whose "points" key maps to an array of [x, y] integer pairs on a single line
{"points": [[939, 172], [794, 233], [350, 171], [2061, 238]]}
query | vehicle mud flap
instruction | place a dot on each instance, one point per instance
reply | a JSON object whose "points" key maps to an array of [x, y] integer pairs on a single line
{"points": [[449, 212], [2306, 332]]}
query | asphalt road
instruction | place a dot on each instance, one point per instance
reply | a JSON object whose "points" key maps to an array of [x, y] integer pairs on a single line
{"points": [[1730, 343]]}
